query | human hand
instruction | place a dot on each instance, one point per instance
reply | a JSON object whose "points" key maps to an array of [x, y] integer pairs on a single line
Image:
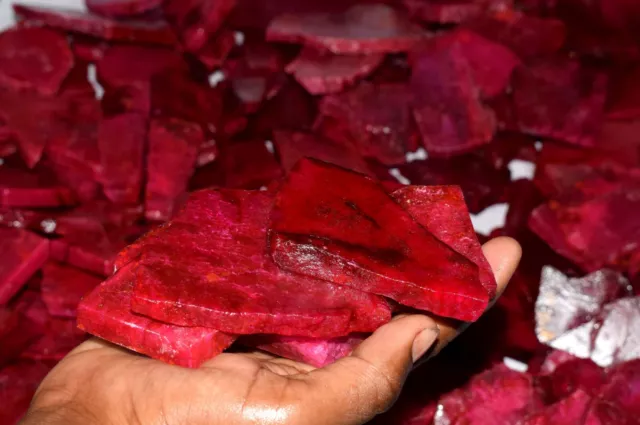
{"points": [[99, 383]]}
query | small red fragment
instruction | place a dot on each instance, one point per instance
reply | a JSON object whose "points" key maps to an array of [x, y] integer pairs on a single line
{"points": [[574, 375], [122, 8], [23, 253], [63, 287], [34, 59], [362, 29]]}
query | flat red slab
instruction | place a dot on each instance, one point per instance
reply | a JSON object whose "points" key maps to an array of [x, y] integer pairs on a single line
{"points": [[18, 384], [63, 287], [342, 227], [105, 313], [230, 284], [326, 73], [151, 31], [362, 29], [23, 253], [173, 147], [443, 212], [121, 140], [35, 59], [122, 8]]}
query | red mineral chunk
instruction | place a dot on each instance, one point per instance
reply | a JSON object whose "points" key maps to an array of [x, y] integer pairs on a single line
{"points": [[230, 284], [623, 387], [293, 146], [375, 119], [623, 98], [362, 29], [35, 59], [315, 352], [322, 73], [342, 227], [106, 314], [569, 411], [571, 376], [565, 303], [18, 384], [122, 8], [173, 146], [561, 100], [17, 332], [63, 287], [442, 211], [60, 337], [443, 11], [498, 395], [22, 253], [147, 31], [121, 140]]}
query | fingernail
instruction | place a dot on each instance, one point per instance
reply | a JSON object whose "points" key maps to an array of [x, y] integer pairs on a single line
{"points": [[423, 342]]}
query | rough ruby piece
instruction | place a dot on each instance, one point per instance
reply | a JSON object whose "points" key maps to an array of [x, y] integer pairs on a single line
{"points": [[481, 184], [60, 337], [173, 146], [121, 8], [315, 352], [229, 282], [443, 11], [565, 303], [527, 35], [87, 48], [121, 140], [560, 99], [622, 387], [448, 110], [242, 165], [569, 411], [17, 332], [578, 374], [443, 212], [106, 313], [498, 395], [293, 146], [615, 341], [23, 253], [145, 31], [214, 54], [34, 59], [342, 227], [623, 98], [326, 73], [18, 384], [522, 197], [196, 21], [63, 287], [376, 119], [362, 29]]}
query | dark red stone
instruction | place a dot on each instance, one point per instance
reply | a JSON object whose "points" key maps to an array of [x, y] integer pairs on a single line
{"points": [[105, 313], [375, 119], [523, 197], [173, 147], [63, 287], [35, 59], [342, 227], [443, 11], [622, 387], [364, 28], [623, 98], [18, 384], [23, 253], [122, 8], [569, 411], [569, 377], [326, 73], [60, 337], [146, 31], [17, 332], [214, 54], [87, 48], [229, 283]]}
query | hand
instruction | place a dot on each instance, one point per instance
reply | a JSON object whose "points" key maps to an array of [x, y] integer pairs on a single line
{"points": [[99, 383]]}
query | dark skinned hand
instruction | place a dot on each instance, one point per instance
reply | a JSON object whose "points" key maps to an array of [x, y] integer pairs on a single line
{"points": [[99, 383]]}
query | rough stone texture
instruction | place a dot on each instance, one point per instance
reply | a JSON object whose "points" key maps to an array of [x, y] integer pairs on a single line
{"points": [[23, 253]]}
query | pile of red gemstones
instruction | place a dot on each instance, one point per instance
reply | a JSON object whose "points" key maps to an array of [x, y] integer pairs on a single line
{"points": [[181, 178]]}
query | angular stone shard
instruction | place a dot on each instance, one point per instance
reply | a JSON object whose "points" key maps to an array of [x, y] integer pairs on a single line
{"points": [[63, 287], [35, 59], [122, 8], [23, 253], [106, 313], [362, 29], [342, 227]]}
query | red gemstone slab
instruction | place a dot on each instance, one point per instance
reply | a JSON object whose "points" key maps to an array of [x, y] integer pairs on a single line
{"points": [[35, 59], [622, 387], [18, 384], [122, 8], [342, 227], [63, 287], [23, 253], [151, 31], [326, 73], [366, 28], [173, 146], [105, 313], [443, 212], [230, 284], [571, 376]]}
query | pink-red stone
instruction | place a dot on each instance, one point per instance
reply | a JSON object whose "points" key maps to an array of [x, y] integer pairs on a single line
{"points": [[63, 287], [23, 253]]}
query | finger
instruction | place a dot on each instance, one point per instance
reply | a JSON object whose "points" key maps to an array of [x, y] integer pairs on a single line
{"points": [[359, 386]]}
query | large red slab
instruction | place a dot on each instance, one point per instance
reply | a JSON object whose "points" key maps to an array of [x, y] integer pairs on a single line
{"points": [[365, 28], [342, 227], [106, 313], [18, 384], [35, 59], [23, 253], [229, 282], [63, 287]]}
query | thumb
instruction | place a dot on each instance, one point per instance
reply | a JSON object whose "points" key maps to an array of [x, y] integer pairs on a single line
{"points": [[366, 383]]}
